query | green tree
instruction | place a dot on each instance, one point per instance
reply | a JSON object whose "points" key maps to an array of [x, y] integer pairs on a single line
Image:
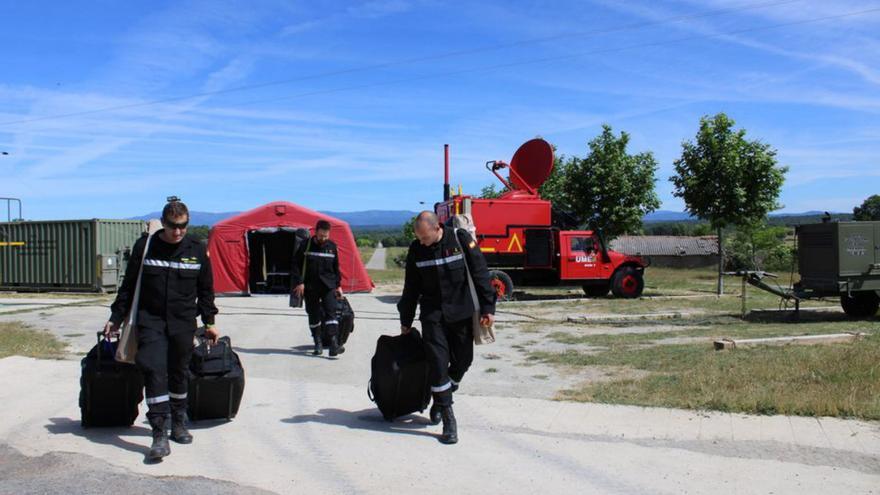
{"points": [[365, 242], [759, 247], [726, 179], [870, 209], [610, 188], [199, 231], [553, 189], [409, 232], [489, 192]]}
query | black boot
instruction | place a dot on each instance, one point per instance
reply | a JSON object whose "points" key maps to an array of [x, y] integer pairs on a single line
{"points": [[319, 345], [434, 414], [450, 429], [335, 348], [179, 433], [160, 447]]}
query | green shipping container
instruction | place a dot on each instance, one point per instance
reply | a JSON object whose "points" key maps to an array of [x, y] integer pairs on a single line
{"points": [[66, 255]]}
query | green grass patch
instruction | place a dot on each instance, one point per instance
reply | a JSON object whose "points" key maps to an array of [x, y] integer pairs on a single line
{"points": [[819, 380], [18, 339], [386, 276], [366, 253], [391, 254], [491, 370]]}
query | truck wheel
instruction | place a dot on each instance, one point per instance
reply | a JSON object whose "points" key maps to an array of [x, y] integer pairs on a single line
{"points": [[861, 304], [596, 290], [502, 284], [627, 283]]}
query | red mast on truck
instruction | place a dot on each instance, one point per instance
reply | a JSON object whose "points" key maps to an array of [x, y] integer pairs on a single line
{"points": [[522, 237]]}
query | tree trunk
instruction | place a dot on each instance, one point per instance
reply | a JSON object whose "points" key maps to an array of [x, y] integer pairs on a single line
{"points": [[720, 264]]}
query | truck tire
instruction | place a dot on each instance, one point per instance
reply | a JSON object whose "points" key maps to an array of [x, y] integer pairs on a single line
{"points": [[627, 283], [596, 290], [502, 284], [861, 304]]}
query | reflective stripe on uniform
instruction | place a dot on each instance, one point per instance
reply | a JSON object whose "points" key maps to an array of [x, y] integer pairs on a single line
{"points": [[331, 322], [172, 264], [438, 262], [157, 400], [316, 325], [177, 396], [442, 388], [322, 255]]}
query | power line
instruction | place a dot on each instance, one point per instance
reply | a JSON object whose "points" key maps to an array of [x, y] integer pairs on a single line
{"points": [[410, 61]]}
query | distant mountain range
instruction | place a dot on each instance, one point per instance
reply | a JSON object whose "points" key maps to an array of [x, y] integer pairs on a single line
{"points": [[368, 218], [396, 218]]}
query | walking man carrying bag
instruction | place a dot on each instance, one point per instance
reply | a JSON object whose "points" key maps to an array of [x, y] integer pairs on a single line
{"points": [[437, 267], [176, 286]]}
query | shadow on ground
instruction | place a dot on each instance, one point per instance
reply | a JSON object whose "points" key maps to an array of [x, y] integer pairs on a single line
{"points": [[115, 436], [366, 419]]}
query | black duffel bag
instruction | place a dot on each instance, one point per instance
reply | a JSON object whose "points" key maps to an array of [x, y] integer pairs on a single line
{"points": [[212, 359], [399, 378], [216, 380], [110, 391], [345, 321]]}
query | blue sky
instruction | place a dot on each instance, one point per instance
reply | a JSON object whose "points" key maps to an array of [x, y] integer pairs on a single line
{"points": [[349, 104]]}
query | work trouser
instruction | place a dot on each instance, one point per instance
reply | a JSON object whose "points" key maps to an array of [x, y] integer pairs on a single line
{"points": [[321, 306], [163, 359], [449, 348]]}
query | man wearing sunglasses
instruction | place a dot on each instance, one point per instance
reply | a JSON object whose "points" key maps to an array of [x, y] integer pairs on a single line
{"points": [[176, 287]]}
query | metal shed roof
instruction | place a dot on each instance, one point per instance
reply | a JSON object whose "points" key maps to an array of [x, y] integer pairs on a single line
{"points": [[666, 245]]}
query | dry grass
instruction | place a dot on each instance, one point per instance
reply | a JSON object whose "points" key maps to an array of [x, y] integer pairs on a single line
{"points": [[821, 380], [18, 339]]}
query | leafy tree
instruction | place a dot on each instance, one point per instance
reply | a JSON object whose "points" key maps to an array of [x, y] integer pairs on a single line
{"points": [[726, 179], [409, 231], [759, 247], [870, 209], [610, 188], [365, 242], [553, 189], [489, 192], [200, 232]]}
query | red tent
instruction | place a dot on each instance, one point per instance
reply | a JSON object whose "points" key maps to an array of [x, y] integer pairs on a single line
{"points": [[251, 252]]}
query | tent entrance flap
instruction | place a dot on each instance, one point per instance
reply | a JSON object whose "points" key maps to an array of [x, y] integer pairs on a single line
{"points": [[271, 254]]}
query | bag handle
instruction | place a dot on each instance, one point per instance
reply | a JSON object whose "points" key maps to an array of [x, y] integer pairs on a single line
{"points": [[132, 314], [306, 258], [467, 270]]}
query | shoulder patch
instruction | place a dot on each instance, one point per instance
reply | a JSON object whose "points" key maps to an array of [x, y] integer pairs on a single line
{"points": [[472, 244]]}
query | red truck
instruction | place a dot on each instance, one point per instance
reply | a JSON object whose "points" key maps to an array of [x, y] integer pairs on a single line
{"points": [[525, 239]]}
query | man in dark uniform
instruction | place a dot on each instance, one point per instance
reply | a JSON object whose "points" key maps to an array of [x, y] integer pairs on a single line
{"points": [[437, 281], [176, 287], [320, 285]]}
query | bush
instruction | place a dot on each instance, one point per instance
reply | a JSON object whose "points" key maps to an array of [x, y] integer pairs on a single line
{"points": [[759, 248]]}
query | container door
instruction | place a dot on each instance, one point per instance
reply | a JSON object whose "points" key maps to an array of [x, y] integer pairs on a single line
{"points": [[580, 256], [856, 248]]}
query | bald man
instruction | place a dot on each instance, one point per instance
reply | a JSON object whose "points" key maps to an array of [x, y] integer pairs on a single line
{"points": [[436, 280]]}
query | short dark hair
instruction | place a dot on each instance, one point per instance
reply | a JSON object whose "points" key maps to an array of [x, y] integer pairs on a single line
{"points": [[322, 225], [174, 208]]}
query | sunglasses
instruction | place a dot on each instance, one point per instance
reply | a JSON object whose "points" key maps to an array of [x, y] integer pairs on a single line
{"points": [[171, 225]]}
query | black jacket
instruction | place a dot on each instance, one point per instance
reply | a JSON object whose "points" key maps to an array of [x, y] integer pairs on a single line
{"points": [[436, 279], [322, 266], [177, 285]]}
